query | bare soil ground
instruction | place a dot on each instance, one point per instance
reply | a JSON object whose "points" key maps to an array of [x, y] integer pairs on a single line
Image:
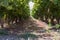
{"points": [[41, 36], [31, 25]]}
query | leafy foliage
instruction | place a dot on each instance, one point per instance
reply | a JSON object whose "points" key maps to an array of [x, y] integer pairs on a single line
{"points": [[46, 9], [14, 9]]}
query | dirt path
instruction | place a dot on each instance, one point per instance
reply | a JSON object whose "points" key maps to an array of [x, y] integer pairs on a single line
{"points": [[32, 24], [15, 37]]}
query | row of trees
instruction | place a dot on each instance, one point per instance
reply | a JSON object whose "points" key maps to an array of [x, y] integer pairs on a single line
{"points": [[47, 10], [13, 10], [17, 10]]}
